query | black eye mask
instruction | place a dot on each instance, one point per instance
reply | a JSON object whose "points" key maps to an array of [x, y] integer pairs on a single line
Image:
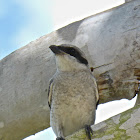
{"points": [[73, 52]]}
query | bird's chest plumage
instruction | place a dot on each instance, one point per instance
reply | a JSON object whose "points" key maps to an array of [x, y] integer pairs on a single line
{"points": [[73, 102]]}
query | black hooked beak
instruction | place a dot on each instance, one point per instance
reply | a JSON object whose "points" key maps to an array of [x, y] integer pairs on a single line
{"points": [[55, 49]]}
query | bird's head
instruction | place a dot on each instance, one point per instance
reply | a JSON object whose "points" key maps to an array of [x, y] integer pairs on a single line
{"points": [[69, 58]]}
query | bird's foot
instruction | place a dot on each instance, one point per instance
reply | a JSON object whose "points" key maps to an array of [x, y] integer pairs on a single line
{"points": [[89, 131], [60, 138]]}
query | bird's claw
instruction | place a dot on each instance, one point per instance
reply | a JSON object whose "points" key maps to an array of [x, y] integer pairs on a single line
{"points": [[60, 138], [89, 131]]}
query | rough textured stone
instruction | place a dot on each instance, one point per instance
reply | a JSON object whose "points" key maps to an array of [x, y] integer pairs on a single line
{"points": [[138, 97], [131, 125], [116, 119], [128, 0], [111, 42]]}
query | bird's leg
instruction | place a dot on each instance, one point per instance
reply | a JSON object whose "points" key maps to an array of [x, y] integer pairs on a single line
{"points": [[60, 138], [89, 131], [60, 135]]}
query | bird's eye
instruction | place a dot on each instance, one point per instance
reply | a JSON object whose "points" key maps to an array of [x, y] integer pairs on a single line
{"points": [[72, 50]]}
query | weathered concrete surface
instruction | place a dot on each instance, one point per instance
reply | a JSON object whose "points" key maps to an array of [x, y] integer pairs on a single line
{"points": [[111, 41], [128, 0], [125, 126], [138, 99]]}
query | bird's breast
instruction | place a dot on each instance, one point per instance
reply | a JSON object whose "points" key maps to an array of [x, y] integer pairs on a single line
{"points": [[73, 102]]}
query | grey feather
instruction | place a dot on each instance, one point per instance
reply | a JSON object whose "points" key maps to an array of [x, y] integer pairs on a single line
{"points": [[50, 92], [73, 94]]}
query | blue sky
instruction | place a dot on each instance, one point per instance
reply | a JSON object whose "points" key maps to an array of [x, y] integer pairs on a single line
{"points": [[22, 21]]}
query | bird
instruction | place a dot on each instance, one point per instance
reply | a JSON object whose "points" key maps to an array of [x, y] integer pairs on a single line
{"points": [[72, 94]]}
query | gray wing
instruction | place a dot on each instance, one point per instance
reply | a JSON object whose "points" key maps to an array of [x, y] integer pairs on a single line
{"points": [[50, 92], [96, 92]]}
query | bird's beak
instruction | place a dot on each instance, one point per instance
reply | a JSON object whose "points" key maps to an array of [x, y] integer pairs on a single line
{"points": [[55, 49]]}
